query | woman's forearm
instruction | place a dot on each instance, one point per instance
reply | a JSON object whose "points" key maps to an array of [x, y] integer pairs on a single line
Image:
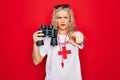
{"points": [[37, 58]]}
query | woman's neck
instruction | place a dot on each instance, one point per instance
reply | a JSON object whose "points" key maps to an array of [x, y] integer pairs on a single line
{"points": [[62, 32]]}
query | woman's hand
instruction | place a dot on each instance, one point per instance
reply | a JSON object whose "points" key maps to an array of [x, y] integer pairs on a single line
{"points": [[76, 38], [37, 36], [36, 56]]}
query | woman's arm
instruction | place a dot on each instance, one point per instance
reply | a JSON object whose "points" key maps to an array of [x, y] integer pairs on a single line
{"points": [[36, 56]]}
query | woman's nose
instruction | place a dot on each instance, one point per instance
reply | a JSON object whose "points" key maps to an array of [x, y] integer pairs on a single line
{"points": [[62, 20]]}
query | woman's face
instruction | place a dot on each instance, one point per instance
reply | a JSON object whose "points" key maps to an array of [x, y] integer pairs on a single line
{"points": [[62, 20]]}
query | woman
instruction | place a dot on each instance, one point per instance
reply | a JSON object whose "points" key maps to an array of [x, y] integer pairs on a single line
{"points": [[62, 60]]}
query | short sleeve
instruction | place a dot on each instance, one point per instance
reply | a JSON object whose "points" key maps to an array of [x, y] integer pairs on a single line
{"points": [[43, 49]]}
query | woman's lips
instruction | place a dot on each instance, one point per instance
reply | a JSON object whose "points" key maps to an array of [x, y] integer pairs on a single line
{"points": [[62, 24]]}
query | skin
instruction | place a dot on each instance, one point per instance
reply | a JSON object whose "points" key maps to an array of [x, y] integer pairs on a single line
{"points": [[62, 22]]}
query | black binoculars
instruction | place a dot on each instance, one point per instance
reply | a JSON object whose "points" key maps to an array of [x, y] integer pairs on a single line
{"points": [[50, 32]]}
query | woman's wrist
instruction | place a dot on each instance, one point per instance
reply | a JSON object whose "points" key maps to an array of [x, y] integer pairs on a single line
{"points": [[34, 43]]}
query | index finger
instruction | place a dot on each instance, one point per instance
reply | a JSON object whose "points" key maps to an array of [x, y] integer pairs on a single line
{"points": [[37, 32]]}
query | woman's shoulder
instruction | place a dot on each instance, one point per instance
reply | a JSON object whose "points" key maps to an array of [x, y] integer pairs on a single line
{"points": [[47, 39]]}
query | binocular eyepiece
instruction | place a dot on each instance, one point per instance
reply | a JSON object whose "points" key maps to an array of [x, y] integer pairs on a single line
{"points": [[50, 32]]}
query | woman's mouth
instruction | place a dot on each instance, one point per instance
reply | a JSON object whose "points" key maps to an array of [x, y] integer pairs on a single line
{"points": [[62, 24]]}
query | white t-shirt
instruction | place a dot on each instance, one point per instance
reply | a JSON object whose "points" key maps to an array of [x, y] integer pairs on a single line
{"points": [[54, 69]]}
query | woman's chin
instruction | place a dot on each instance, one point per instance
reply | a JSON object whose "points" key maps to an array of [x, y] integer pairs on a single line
{"points": [[63, 27]]}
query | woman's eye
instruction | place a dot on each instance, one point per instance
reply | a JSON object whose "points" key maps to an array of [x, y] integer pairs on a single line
{"points": [[66, 17], [59, 17]]}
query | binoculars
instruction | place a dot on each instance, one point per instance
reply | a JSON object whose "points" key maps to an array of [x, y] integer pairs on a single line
{"points": [[50, 32]]}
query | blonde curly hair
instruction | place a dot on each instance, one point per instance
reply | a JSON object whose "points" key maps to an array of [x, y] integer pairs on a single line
{"points": [[71, 26]]}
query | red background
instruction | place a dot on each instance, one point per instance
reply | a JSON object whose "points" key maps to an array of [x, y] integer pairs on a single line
{"points": [[99, 20]]}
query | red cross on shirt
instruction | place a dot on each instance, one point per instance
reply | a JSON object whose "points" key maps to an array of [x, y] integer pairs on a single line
{"points": [[64, 52]]}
